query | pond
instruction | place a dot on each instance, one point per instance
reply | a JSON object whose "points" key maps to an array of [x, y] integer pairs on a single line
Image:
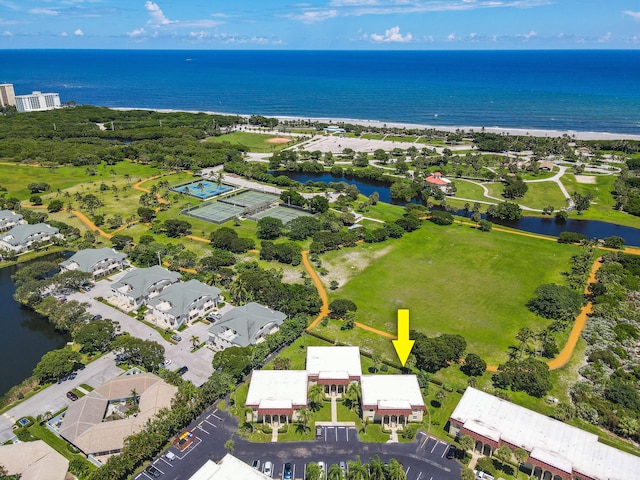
{"points": [[26, 335], [540, 225]]}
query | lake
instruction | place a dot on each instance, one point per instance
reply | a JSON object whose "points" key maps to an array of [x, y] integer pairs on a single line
{"points": [[26, 335], [539, 225]]}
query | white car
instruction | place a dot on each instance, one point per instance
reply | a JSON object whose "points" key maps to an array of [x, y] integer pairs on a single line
{"points": [[165, 364], [323, 469], [268, 469], [170, 456]]}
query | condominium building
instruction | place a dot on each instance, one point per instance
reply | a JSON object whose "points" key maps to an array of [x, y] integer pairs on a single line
{"points": [[37, 101], [7, 95]]}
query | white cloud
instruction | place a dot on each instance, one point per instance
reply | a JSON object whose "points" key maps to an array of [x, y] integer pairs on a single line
{"points": [[635, 15], [64, 34], [44, 11], [313, 16], [527, 36], [605, 38], [136, 33], [392, 35], [157, 16], [199, 35], [353, 3], [78, 33], [451, 37], [7, 33]]}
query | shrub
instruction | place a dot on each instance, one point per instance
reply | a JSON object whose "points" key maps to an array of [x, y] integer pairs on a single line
{"points": [[485, 464], [571, 237], [440, 217]]}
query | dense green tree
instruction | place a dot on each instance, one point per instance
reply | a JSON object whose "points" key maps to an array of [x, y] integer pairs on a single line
{"points": [[56, 364], [301, 228], [474, 365], [529, 375], [515, 188], [269, 228], [340, 306], [119, 242], [556, 302], [176, 228], [146, 214], [505, 211], [55, 205], [96, 336], [146, 353], [581, 202], [235, 361]]}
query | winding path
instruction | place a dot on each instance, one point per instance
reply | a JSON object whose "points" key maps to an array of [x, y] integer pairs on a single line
{"points": [[324, 310]]}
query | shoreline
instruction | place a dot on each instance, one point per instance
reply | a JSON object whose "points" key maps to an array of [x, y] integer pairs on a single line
{"points": [[531, 132]]}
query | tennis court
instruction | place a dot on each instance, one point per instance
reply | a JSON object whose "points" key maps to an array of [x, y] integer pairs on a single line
{"points": [[250, 199], [283, 213], [216, 212], [202, 189]]}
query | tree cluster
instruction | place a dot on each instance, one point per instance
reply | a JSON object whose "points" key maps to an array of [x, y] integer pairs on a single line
{"points": [[435, 353]]}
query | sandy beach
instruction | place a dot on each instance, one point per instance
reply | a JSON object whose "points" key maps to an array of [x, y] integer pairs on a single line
{"points": [[533, 132]]}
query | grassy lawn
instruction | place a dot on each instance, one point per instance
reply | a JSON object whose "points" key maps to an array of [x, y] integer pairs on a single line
{"points": [[454, 280], [296, 353], [400, 138], [58, 444], [345, 414], [543, 194], [373, 433], [255, 141], [469, 190], [603, 202]]}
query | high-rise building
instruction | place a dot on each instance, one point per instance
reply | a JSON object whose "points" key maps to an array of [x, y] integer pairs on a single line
{"points": [[37, 101], [7, 95]]}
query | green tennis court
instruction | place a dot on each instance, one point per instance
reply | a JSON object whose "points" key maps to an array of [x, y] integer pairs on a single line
{"points": [[216, 212], [283, 213], [249, 199]]}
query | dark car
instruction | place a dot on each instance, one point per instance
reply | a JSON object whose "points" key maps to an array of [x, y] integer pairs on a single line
{"points": [[288, 471], [97, 317], [153, 471], [451, 452], [72, 396], [183, 370]]}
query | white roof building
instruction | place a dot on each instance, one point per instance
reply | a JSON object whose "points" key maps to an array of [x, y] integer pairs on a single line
{"points": [[277, 392], [229, 468], [37, 101], [333, 365], [553, 446], [391, 392]]}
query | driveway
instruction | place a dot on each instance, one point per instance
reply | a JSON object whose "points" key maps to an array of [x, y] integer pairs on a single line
{"points": [[53, 398]]}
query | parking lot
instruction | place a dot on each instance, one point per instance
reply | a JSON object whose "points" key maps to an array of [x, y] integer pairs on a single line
{"points": [[422, 459]]}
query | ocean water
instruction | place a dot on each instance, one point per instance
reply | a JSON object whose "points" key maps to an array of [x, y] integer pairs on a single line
{"points": [[567, 90]]}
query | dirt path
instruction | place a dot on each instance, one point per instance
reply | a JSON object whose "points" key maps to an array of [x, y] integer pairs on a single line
{"points": [[92, 226], [324, 310]]}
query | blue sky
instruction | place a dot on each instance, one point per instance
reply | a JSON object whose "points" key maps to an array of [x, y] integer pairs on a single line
{"points": [[320, 24]]}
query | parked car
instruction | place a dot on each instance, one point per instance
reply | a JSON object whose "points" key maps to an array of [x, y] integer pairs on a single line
{"points": [[323, 469], [170, 456], [343, 467], [97, 317], [153, 471], [256, 464], [451, 452], [72, 396], [318, 431], [268, 469], [165, 364], [182, 370], [288, 471], [72, 375], [176, 338]]}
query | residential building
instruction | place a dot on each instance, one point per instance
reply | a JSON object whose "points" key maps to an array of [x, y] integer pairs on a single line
{"points": [[391, 399], [245, 325], [276, 396], [7, 95], [556, 450], [229, 468], [9, 219], [88, 423], [140, 285], [96, 261], [37, 101], [439, 181], [33, 461], [334, 368], [182, 303], [21, 237]]}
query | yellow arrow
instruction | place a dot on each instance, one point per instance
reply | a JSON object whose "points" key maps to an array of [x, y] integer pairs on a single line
{"points": [[403, 345]]}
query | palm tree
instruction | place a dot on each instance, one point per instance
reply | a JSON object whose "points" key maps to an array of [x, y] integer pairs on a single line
{"points": [[353, 395], [316, 394], [304, 415], [335, 472], [134, 396], [523, 336], [396, 472], [358, 470], [313, 472], [376, 469], [195, 341]]}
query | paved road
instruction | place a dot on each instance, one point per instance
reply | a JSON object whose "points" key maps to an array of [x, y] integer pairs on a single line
{"points": [[53, 398], [424, 459], [199, 362]]}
